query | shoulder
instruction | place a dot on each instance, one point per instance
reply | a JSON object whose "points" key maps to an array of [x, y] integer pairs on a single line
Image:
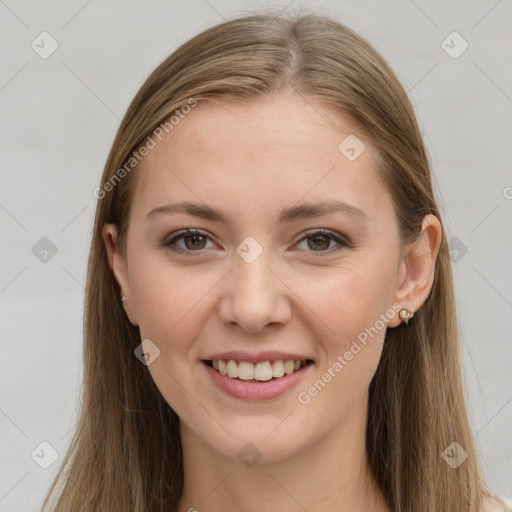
{"points": [[490, 504]]}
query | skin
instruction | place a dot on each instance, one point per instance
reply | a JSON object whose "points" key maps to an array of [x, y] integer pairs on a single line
{"points": [[307, 299]]}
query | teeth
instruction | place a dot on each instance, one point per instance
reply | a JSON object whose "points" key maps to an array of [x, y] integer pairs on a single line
{"points": [[245, 370], [288, 367], [263, 371], [278, 368], [232, 369]]}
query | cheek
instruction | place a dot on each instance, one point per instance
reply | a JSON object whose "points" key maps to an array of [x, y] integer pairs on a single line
{"points": [[171, 313], [351, 307], [169, 299], [349, 298]]}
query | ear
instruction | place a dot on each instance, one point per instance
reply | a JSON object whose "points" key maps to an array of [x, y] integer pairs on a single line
{"points": [[118, 265], [416, 271]]}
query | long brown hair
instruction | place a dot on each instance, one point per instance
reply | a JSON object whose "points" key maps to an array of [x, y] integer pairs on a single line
{"points": [[126, 452]]}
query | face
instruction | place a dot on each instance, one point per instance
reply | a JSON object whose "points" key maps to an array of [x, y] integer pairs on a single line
{"points": [[268, 280]]}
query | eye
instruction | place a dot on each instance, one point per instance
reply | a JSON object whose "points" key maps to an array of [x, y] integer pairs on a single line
{"points": [[193, 240], [321, 240]]}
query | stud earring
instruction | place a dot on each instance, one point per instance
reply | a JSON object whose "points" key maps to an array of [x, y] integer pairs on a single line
{"points": [[405, 315], [123, 299]]}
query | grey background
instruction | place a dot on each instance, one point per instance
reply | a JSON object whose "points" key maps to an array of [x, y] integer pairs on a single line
{"points": [[59, 116]]}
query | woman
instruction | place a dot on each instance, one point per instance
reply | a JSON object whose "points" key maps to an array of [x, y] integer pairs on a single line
{"points": [[270, 319]]}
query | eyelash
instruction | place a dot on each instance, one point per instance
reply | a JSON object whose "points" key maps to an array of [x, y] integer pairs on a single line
{"points": [[171, 244]]}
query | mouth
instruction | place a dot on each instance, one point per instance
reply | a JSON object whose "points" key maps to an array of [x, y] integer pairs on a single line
{"points": [[262, 371]]}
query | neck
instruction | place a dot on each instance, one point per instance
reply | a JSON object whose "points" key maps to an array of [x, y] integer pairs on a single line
{"points": [[329, 473]]}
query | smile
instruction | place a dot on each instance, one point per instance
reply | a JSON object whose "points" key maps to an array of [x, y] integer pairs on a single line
{"points": [[262, 371]]}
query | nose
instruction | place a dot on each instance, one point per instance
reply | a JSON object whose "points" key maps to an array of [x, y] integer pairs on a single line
{"points": [[254, 295]]}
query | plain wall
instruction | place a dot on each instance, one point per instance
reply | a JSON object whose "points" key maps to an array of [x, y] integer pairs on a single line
{"points": [[58, 118]]}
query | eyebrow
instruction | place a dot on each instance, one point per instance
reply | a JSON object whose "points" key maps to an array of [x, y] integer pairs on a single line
{"points": [[293, 213]]}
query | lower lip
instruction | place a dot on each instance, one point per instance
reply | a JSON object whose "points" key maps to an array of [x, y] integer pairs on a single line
{"points": [[256, 391]]}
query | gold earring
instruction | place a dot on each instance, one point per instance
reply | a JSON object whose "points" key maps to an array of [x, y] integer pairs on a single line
{"points": [[405, 315]]}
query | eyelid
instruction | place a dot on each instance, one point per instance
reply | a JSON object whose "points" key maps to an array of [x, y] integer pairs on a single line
{"points": [[340, 239], [178, 235], [325, 231]]}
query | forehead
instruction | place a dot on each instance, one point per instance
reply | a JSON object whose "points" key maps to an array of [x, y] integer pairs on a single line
{"points": [[252, 156]]}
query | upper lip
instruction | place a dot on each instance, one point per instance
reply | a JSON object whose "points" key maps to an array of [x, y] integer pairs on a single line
{"points": [[256, 357]]}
